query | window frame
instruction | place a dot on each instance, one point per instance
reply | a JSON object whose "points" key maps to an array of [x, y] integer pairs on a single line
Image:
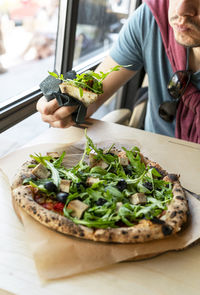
{"points": [[18, 108]]}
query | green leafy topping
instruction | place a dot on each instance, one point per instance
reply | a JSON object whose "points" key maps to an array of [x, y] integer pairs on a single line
{"points": [[109, 198], [89, 80]]}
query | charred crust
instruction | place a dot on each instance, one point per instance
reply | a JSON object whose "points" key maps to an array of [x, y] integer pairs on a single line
{"points": [[173, 177], [81, 233], [148, 236], [136, 237], [110, 237], [34, 211], [181, 198], [180, 212], [166, 229], [157, 220], [124, 232], [178, 190], [173, 214]]}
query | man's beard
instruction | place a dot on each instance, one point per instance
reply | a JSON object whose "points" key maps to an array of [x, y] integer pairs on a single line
{"points": [[192, 45], [193, 24]]}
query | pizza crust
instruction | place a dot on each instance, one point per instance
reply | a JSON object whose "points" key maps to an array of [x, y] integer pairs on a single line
{"points": [[87, 98], [145, 230], [24, 198]]}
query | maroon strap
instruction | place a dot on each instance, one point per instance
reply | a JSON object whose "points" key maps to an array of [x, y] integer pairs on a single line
{"points": [[188, 112]]}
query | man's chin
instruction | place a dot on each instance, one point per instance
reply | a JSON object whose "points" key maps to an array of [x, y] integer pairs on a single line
{"points": [[188, 43]]}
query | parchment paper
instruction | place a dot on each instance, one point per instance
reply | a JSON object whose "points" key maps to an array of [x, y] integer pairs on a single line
{"points": [[58, 255]]}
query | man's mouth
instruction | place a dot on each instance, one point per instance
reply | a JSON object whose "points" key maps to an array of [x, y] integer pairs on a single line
{"points": [[181, 28], [184, 24]]}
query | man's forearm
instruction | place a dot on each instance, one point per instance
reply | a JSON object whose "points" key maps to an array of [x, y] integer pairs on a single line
{"points": [[111, 83]]}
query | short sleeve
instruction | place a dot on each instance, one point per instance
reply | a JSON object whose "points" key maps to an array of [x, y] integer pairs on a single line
{"points": [[129, 47]]}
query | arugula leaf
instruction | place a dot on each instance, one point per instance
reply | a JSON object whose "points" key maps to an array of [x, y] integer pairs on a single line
{"points": [[39, 184], [54, 173], [89, 80], [57, 163], [41, 159], [135, 160]]}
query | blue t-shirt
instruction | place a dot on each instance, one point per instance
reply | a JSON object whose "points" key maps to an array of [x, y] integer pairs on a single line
{"points": [[140, 45]]}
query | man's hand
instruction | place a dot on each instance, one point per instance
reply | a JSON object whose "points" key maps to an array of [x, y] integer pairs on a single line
{"points": [[52, 113], [60, 117]]}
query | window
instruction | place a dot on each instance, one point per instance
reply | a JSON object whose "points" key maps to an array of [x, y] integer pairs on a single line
{"points": [[98, 24], [28, 31]]}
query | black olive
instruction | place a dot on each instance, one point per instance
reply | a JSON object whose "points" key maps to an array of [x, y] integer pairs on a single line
{"points": [[157, 220], [51, 187], [127, 170], [100, 202], [121, 185], [79, 185], [33, 177], [166, 229], [62, 197], [148, 185]]}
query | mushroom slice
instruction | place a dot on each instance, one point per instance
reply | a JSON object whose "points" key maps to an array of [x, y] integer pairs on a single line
{"points": [[77, 207], [118, 206], [92, 159], [65, 185], [94, 162], [101, 164], [138, 198], [41, 171], [123, 161], [53, 154], [91, 180]]}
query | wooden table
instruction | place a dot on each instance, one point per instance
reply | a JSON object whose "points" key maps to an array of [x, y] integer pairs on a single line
{"points": [[172, 273]]}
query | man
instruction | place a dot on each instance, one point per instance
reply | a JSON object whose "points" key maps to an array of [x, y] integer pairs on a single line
{"points": [[164, 37]]}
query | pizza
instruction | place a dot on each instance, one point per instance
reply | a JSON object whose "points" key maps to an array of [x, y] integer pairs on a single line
{"points": [[113, 194]]}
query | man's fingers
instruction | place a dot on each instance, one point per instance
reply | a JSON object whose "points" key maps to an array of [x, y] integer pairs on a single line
{"points": [[47, 107], [56, 116], [67, 122], [59, 115], [52, 108], [64, 112]]}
